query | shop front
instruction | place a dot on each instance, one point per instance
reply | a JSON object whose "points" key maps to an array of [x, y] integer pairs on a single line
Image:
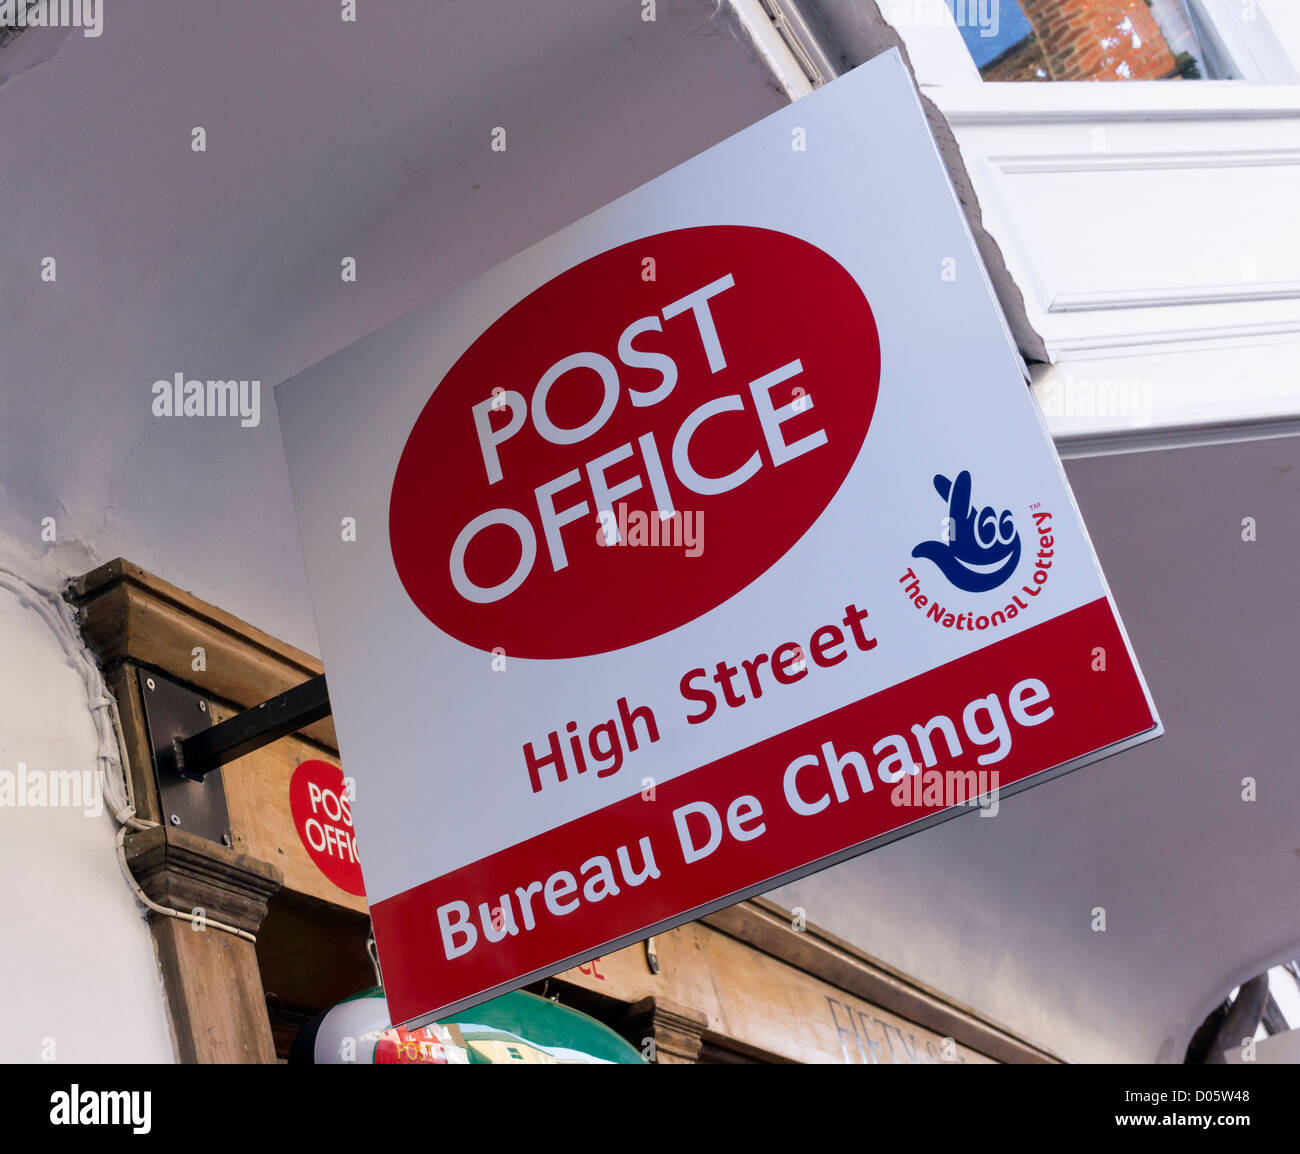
{"points": [[752, 983]]}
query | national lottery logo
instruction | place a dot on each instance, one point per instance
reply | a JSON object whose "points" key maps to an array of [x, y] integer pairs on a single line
{"points": [[979, 550]]}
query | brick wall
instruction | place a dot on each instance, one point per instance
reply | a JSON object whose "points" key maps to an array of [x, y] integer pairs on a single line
{"points": [[1087, 40]]}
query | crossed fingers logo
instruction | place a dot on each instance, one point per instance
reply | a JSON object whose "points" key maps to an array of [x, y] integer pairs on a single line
{"points": [[980, 549]]}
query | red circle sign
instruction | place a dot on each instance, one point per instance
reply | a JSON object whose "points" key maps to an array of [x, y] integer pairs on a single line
{"points": [[322, 814], [635, 442]]}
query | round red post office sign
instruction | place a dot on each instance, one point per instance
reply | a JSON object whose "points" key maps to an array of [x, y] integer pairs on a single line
{"points": [[322, 815], [705, 390]]}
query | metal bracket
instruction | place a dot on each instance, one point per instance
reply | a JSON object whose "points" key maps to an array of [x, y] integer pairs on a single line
{"points": [[172, 713], [290, 711]]}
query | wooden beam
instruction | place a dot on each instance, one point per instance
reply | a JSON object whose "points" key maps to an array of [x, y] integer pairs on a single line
{"points": [[213, 984], [718, 991], [769, 927]]}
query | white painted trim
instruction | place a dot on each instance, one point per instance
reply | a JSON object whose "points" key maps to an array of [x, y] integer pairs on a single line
{"points": [[1127, 403], [1132, 161], [998, 215], [1233, 292], [1173, 295], [1086, 102], [1109, 342], [1174, 437], [1010, 135], [772, 47], [1251, 45], [807, 49]]}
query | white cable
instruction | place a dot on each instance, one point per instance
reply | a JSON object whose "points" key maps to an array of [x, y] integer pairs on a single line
{"points": [[56, 614], [119, 793]]}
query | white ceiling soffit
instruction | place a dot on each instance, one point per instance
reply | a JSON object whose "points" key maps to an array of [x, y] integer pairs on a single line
{"points": [[325, 140]]}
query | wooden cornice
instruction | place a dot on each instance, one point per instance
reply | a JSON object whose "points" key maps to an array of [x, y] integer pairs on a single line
{"points": [[676, 1032], [767, 926], [127, 613], [184, 872]]}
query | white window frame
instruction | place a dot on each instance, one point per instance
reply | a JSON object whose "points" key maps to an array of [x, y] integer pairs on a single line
{"points": [[1209, 352], [1240, 28], [1214, 357], [1236, 385]]}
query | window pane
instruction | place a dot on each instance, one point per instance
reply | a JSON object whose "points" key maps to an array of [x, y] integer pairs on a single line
{"points": [[1083, 39]]}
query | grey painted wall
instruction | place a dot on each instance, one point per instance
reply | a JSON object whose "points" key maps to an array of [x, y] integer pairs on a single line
{"points": [[325, 139], [1199, 886]]}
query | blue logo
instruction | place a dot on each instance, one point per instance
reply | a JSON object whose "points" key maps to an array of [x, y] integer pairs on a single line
{"points": [[981, 550]]}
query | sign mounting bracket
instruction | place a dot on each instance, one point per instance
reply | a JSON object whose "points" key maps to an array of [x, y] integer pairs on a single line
{"points": [[187, 747], [200, 753]]}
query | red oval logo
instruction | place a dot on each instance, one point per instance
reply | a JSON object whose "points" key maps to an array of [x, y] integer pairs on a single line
{"points": [[322, 813], [635, 442]]}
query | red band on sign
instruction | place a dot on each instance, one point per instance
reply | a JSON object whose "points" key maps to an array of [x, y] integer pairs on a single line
{"points": [[1026, 704]]}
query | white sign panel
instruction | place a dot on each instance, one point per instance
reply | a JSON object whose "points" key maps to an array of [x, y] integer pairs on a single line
{"points": [[709, 541]]}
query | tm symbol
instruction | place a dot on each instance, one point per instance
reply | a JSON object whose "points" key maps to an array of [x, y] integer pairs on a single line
{"points": [[1036, 505]]}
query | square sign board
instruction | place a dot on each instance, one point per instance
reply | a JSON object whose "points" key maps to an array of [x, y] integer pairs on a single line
{"points": [[688, 552]]}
